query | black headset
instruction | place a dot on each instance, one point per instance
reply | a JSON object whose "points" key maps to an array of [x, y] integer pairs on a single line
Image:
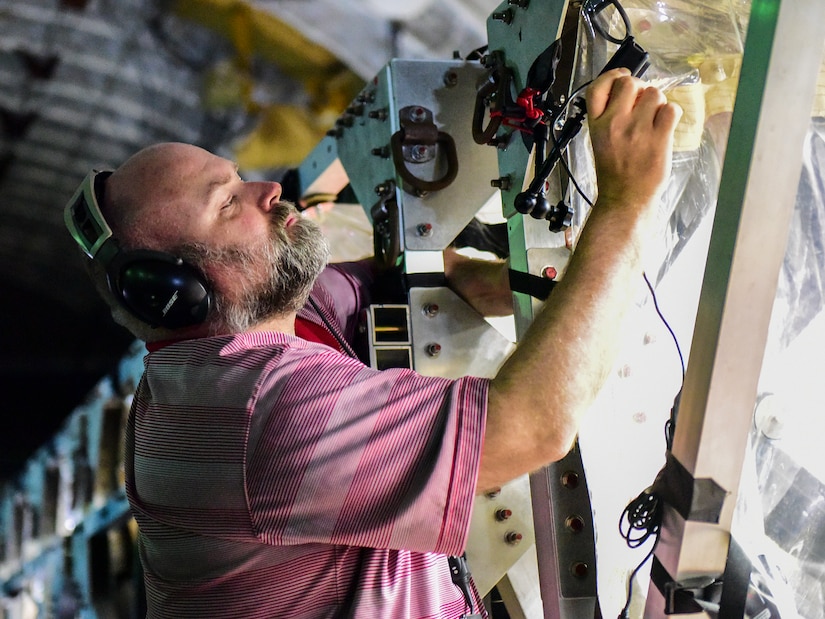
{"points": [[156, 287]]}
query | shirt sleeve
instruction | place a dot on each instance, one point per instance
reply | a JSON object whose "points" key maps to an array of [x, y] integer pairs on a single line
{"points": [[353, 456]]}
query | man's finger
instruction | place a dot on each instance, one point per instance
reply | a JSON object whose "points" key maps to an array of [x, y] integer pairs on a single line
{"points": [[598, 93], [667, 117]]}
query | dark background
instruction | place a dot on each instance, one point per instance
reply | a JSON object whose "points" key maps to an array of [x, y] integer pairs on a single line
{"points": [[86, 83]]}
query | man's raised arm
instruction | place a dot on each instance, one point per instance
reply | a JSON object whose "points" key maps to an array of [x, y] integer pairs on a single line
{"points": [[538, 397]]}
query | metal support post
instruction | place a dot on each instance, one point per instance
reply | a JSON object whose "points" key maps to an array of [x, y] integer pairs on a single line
{"points": [[756, 198], [565, 543]]}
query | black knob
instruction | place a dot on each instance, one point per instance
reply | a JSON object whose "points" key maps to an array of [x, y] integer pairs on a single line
{"points": [[541, 208], [525, 202], [560, 217]]}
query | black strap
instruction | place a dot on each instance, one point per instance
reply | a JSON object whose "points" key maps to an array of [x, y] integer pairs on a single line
{"points": [[527, 283], [424, 280], [736, 581], [699, 500]]}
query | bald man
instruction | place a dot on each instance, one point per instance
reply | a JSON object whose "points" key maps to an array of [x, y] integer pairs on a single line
{"points": [[271, 473]]}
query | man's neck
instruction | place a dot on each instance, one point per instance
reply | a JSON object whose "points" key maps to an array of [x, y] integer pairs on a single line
{"points": [[285, 323]]}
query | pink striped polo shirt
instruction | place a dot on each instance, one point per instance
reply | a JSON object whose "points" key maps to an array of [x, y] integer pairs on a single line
{"points": [[275, 477]]}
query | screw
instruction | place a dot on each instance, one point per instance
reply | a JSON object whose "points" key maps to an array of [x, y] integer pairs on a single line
{"points": [[430, 310], [493, 493], [502, 182], [378, 114], [549, 272], [337, 132], [425, 229], [434, 349], [382, 151], [418, 114], [450, 78], [513, 537], [419, 152], [356, 110], [503, 514], [347, 120], [522, 4]]}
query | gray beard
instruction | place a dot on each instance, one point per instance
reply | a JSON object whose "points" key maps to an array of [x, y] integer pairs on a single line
{"points": [[294, 256]]}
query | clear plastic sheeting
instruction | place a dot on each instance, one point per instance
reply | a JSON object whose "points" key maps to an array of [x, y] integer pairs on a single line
{"points": [[781, 512], [696, 51]]}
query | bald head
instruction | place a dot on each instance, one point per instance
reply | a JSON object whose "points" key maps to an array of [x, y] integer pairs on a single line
{"points": [[141, 192], [259, 257]]}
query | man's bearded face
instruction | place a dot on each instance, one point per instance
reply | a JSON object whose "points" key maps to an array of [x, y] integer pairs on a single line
{"points": [[267, 278]]}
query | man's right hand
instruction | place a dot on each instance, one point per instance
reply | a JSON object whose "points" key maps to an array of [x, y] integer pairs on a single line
{"points": [[631, 128], [539, 395]]}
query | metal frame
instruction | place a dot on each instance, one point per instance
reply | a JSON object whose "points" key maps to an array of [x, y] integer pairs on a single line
{"points": [[563, 522]]}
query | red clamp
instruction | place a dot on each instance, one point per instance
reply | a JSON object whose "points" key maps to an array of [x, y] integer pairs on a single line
{"points": [[525, 101], [527, 111]]}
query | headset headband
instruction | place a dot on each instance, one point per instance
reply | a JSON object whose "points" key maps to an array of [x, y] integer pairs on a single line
{"points": [[83, 216]]}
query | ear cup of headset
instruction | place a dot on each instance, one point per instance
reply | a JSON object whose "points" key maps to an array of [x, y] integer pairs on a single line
{"points": [[160, 289]]}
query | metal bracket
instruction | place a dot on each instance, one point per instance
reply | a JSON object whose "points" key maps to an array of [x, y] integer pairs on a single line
{"points": [[418, 141]]}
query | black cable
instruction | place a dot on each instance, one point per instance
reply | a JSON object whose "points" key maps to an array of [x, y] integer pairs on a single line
{"points": [[625, 612], [667, 325], [572, 177], [545, 129], [670, 424], [594, 8], [644, 513], [460, 574], [644, 518]]}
